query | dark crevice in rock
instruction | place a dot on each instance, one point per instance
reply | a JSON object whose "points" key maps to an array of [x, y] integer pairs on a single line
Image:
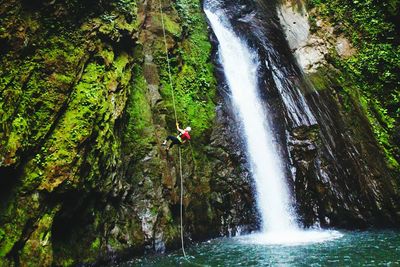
{"points": [[5, 47], [8, 183], [73, 215]]}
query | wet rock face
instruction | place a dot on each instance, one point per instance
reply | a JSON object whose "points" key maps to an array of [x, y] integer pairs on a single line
{"points": [[351, 182], [232, 174], [85, 104], [309, 48], [335, 168], [341, 177]]}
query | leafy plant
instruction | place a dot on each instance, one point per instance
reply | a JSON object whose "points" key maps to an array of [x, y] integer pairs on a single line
{"points": [[374, 70]]}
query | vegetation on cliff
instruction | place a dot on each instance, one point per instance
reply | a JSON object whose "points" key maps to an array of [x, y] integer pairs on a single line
{"points": [[371, 75], [64, 76], [85, 104], [86, 101]]}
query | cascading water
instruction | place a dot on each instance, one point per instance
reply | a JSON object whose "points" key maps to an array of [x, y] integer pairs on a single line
{"points": [[240, 64]]}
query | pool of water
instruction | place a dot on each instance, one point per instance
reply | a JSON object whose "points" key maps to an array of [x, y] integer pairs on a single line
{"points": [[369, 248]]}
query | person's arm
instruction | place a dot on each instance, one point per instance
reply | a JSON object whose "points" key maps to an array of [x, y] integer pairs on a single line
{"points": [[179, 129]]}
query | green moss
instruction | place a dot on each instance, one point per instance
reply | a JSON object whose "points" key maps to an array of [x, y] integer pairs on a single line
{"points": [[112, 24], [74, 128], [107, 55], [14, 219], [96, 244], [120, 69], [171, 26], [139, 125], [67, 262], [18, 135], [6, 246], [320, 79], [34, 92], [2, 234], [377, 119], [63, 103], [371, 75], [90, 102], [194, 82], [38, 248], [63, 79]]}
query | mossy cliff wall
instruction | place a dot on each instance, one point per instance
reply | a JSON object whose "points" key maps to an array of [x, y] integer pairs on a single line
{"points": [[348, 51], [85, 104]]}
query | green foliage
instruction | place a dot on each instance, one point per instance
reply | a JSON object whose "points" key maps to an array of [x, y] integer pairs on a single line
{"points": [[14, 219], [19, 132], [88, 113], [96, 244], [189, 12], [33, 92], [139, 129], [128, 7], [193, 79], [60, 101], [170, 25], [373, 72], [2, 234], [61, 92]]}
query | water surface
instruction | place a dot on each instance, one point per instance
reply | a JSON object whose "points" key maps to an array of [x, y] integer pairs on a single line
{"points": [[372, 248]]}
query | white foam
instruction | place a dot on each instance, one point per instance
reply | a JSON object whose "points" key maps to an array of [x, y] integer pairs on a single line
{"points": [[290, 238]]}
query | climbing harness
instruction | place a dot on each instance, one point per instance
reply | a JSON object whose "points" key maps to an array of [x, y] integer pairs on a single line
{"points": [[176, 121]]}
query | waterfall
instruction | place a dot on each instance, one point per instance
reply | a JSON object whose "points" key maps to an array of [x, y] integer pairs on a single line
{"points": [[240, 65]]}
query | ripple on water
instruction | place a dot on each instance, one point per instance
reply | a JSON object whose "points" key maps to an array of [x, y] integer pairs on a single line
{"points": [[371, 248]]}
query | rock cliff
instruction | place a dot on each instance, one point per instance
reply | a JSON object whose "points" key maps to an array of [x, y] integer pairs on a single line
{"points": [[347, 170], [85, 105], [86, 102]]}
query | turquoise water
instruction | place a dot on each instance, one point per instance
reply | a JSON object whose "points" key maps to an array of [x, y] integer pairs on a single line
{"points": [[371, 248]]}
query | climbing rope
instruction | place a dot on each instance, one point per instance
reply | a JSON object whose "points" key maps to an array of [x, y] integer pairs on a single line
{"points": [[181, 209], [176, 122]]}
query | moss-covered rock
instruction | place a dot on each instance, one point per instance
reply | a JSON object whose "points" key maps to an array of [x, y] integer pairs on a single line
{"points": [[370, 74], [347, 175], [85, 103], [37, 250]]}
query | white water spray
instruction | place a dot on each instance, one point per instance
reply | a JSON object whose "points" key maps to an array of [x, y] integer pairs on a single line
{"points": [[240, 65]]}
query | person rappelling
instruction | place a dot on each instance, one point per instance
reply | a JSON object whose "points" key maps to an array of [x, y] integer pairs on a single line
{"points": [[181, 138]]}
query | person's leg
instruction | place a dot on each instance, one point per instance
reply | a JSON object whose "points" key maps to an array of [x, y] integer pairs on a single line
{"points": [[169, 137], [174, 141]]}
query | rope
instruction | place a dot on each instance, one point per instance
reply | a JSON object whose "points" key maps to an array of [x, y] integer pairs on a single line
{"points": [[181, 211], [176, 121]]}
